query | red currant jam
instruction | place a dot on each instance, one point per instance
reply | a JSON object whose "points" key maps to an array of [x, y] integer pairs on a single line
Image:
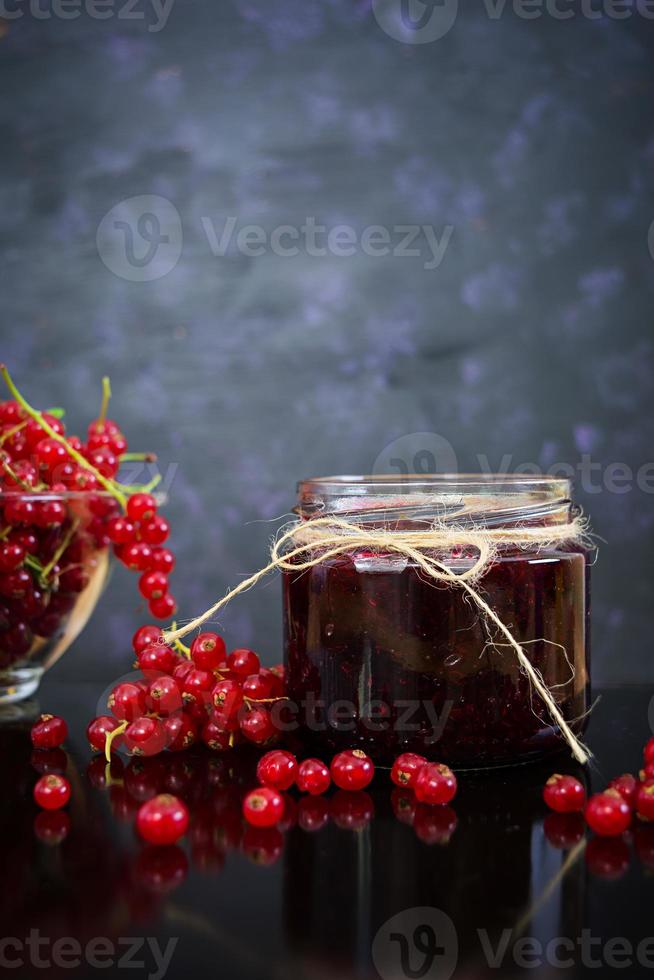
{"points": [[381, 658]]}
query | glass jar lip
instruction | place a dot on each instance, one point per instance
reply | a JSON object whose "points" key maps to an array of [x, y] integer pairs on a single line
{"points": [[497, 483]]}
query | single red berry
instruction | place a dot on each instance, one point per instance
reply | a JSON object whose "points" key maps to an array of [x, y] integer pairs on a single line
{"points": [[648, 752], [647, 772], [352, 769], [164, 696], [145, 736], [243, 662], [645, 800], [17, 584], [158, 658], [257, 725], [181, 731], [136, 556], [49, 732], [50, 455], [12, 555], [607, 814], [120, 530], [52, 826], [313, 777], [277, 769], [197, 686], [564, 794], [141, 507], [207, 651], [155, 531], [164, 607], [146, 636], [182, 669], [258, 687], [435, 784], [104, 461], [52, 792], [227, 699], [406, 768], [97, 731], [163, 560], [626, 786], [263, 807], [127, 701], [215, 737], [153, 585], [163, 819]]}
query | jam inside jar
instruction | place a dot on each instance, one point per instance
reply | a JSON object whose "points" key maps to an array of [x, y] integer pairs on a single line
{"points": [[381, 657]]}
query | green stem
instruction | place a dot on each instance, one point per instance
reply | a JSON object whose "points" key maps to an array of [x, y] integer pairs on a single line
{"points": [[106, 395], [138, 458], [110, 736], [60, 550], [12, 432], [79, 459], [14, 476]]}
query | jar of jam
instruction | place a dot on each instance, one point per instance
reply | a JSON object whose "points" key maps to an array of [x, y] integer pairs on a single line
{"points": [[382, 657]]}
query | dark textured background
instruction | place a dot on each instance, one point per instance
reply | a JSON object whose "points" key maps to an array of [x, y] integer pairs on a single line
{"points": [[533, 139]]}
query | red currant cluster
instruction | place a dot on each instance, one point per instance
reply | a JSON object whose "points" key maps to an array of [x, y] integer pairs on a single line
{"points": [[189, 695], [52, 790], [609, 814], [60, 505]]}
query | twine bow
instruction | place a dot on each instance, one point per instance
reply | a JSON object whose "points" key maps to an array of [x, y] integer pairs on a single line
{"points": [[305, 544]]}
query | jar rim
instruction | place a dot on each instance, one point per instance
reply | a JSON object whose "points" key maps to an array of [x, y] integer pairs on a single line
{"points": [[358, 485]]}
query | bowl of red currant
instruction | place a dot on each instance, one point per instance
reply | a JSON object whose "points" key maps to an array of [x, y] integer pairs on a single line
{"points": [[63, 514]]}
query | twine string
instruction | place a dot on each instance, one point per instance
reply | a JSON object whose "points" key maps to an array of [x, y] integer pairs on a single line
{"points": [[305, 544]]}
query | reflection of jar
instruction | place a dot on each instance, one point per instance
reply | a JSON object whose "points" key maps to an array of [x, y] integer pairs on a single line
{"points": [[379, 656]]}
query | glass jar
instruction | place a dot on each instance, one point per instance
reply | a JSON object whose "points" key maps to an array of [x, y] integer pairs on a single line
{"points": [[381, 657]]}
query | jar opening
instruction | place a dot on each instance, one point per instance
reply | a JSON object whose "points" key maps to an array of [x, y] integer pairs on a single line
{"points": [[492, 499]]}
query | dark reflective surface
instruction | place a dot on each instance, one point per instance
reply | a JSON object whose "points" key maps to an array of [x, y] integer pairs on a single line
{"points": [[358, 885]]}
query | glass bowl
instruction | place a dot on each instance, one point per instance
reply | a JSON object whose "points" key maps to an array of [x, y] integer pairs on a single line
{"points": [[46, 601]]}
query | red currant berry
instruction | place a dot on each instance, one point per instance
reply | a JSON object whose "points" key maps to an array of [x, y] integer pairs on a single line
{"points": [[207, 651], [97, 732], [263, 807], [164, 607], [243, 662], [52, 792], [135, 556], [626, 786], [607, 814], [257, 726], [156, 531], [163, 560], [50, 455], [435, 784], [164, 696], [313, 777], [647, 772], [49, 732], [277, 769], [145, 736], [258, 687], [406, 768], [120, 531], [12, 555], [215, 737], [227, 699], [146, 636], [52, 826], [648, 752], [159, 658], [352, 769], [181, 731], [163, 819], [16, 585], [104, 461], [153, 585], [645, 800], [404, 806], [564, 794], [127, 701], [141, 507], [197, 686]]}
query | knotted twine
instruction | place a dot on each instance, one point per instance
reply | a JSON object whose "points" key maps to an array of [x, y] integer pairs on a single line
{"points": [[305, 544]]}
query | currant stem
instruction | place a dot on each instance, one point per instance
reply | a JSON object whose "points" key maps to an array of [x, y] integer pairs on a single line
{"points": [[79, 459], [68, 536], [138, 457], [14, 476], [106, 396], [110, 736]]}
